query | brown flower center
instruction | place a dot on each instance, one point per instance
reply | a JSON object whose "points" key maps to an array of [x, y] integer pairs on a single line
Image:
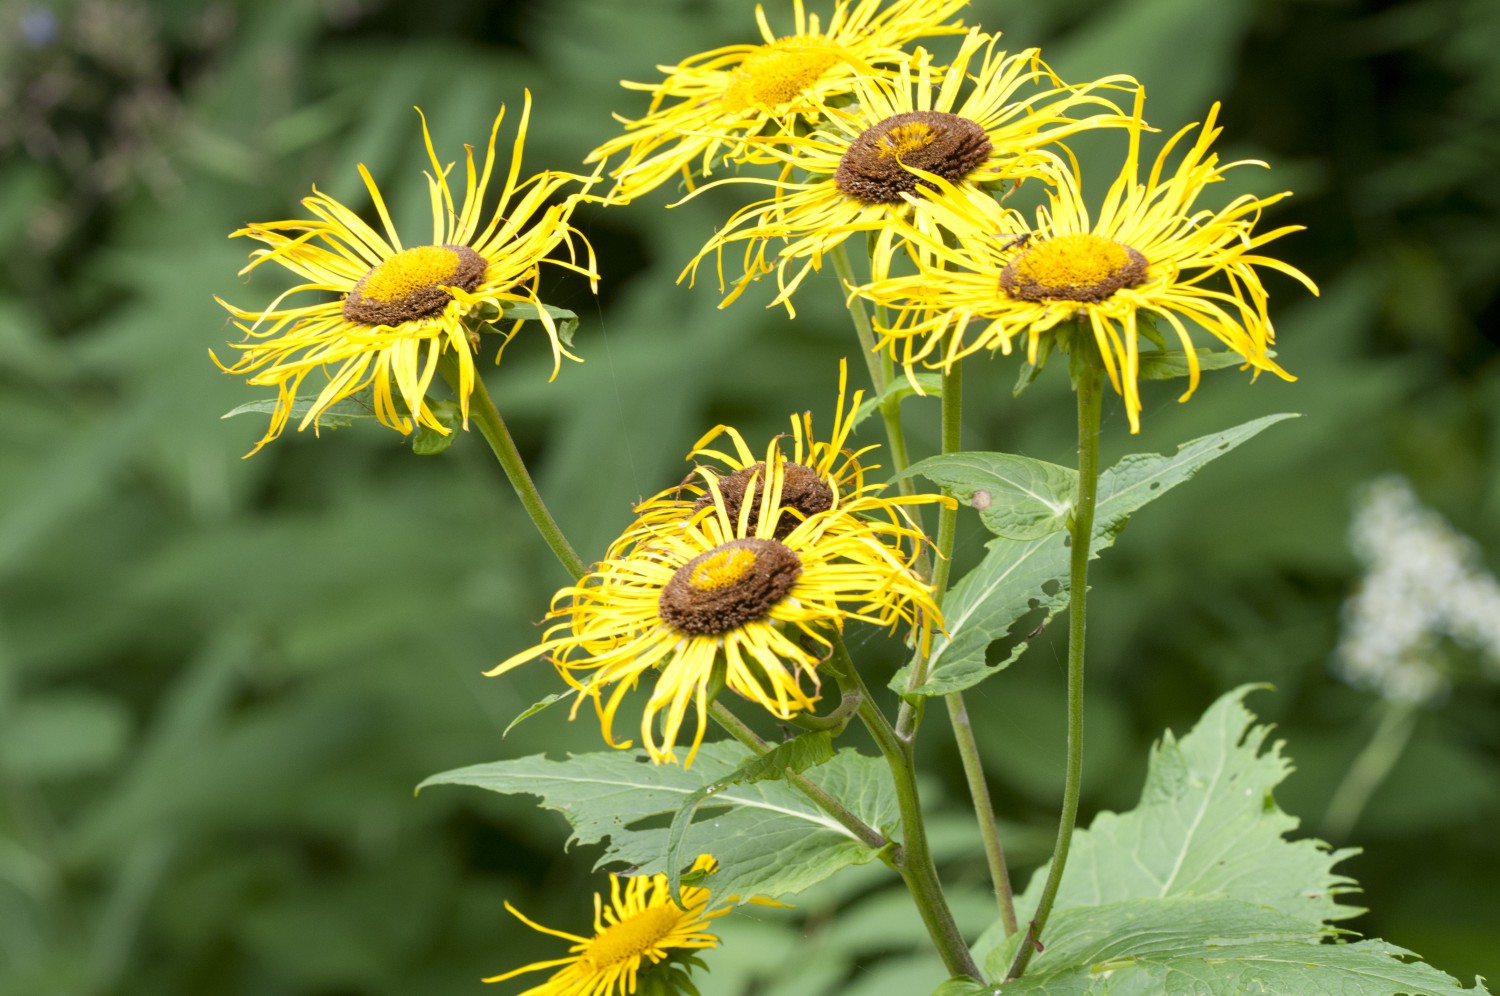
{"points": [[728, 586], [1079, 267], [413, 284], [802, 489], [874, 167]]}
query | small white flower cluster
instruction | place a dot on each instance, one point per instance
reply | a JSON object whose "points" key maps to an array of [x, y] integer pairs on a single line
{"points": [[1423, 582]]}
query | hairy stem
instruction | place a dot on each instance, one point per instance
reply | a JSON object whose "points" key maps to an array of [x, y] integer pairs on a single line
{"points": [[1088, 385]]}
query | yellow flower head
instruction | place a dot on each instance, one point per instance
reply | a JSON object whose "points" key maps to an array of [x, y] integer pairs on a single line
{"points": [[716, 598], [398, 310], [817, 476], [640, 925], [710, 103], [1149, 251], [856, 173]]}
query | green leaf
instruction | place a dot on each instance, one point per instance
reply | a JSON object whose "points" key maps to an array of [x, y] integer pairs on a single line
{"points": [[427, 441], [932, 387], [1030, 371], [1166, 364], [768, 838], [798, 754], [1207, 824], [522, 311], [1197, 890], [1017, 577], [537, 707], [1017, 497], [337, 415], [1183, 946]]}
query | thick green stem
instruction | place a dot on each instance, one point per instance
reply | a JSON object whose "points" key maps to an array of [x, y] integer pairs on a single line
{"points": [[1088, 383], [1369, 769], [866, 834], [913, 858], [484, 414]]}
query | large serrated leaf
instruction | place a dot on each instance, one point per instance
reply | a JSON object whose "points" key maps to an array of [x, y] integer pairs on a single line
{"points": [[768, 838], [1185, 946], [1016, 497], [1017, 577], [1197, 890]]}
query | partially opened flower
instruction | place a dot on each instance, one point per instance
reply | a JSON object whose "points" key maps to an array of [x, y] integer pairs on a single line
{"points": [[817, 475], [1149, 253], [382, 314], [639, 928], [716, 599], [710, 103], [855, 171]]}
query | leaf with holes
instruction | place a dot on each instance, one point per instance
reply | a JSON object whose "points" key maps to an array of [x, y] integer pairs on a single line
{"points": [[768, 838], [1018, 577], [1016, 497]]}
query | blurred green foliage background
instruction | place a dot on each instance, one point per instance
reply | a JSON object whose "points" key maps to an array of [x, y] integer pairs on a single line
{"points": [[220, 679]]}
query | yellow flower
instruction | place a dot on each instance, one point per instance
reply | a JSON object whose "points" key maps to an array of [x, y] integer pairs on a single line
{"points": [[709, 104], [1147, 252], [639, 925], [858, 166], [817, 476], [399, 310], [718, 599]]}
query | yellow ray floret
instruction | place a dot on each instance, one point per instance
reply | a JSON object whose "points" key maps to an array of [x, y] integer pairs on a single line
{"points": [[710, 104], [1148, 253], [639, 927], [720, 598], [385, 314], [988, 119], [817, 474]]}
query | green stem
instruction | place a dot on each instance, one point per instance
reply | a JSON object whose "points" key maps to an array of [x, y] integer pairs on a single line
{"points": [[483, 412], [910, 716], [857, 313], [1369, 769], [1088, 384], [735, 727], [880, 365], [913, 858], [984, 809]]}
